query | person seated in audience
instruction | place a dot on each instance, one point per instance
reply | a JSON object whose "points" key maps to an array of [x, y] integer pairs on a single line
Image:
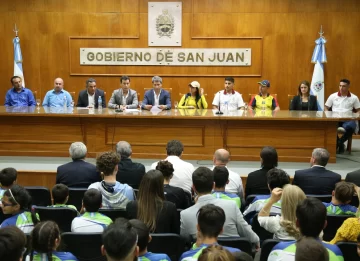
{"points": [[353, 177], [256, 183], [45, 239], [308, 248], [195, 99], [343, 101], [144, 238], [120, 241], [235, 225], [304, 101], [159, 215], [222, 158], [264, 100], [242, 256], [124, 98], [341, 197], [91, 221], [210, 223], [182, 169], [284, 226], [8, 177], [60, 196], [311, 220], [276, 178], [12, 243], [17, 203], [129, 172], [90, 96], [317, 179], [114, 193], [157, 96], [57, 97], [228, 99], [18, 95], [216, 253], [176, 195], [221, 178], [77, 173]]}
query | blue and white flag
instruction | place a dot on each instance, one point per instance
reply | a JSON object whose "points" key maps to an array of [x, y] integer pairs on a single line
{"points": [[317, 82], [18, 70]]}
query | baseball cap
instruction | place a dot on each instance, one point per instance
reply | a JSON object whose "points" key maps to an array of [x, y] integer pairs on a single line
{"points": [[264, 83], [194, 84]]}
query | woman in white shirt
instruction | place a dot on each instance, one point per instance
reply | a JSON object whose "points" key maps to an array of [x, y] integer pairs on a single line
{"points": [[284, 226]]}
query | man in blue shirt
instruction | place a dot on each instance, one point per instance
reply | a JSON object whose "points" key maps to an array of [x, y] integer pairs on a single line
{"points": [[19, 95], [58, 96]]}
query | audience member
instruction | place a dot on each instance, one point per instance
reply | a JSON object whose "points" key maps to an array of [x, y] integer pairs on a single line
{"points": [[235, 186], [284, 226], [159, 216], [45, 239], [256, 182], [353, 177], [235, 225], [157, 96], [124, 98], [143, 239], [317, 179], [8, 177], [129, 172], [114, 194], [173, 194], [308, 248], [216, 253], [242, 256], [18, 95], [341, 197], [182, 169], [12, 243], [120, 241], [90, 96], [57, 97], [311, 220], [221, 178], [77, 173], [210, 223], [91, 221], [17, 202], [60, 196]]}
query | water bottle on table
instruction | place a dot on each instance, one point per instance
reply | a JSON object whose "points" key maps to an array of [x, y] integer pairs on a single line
{"points": [[99, 103]]}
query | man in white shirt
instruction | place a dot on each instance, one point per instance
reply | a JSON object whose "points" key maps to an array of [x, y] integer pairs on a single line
{"points": [[182, 170], [343, 101], [228, 99], [90, 96], [157, 96]]}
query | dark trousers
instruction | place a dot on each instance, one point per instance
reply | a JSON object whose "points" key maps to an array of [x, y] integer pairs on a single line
{"points": [[349, 127]]}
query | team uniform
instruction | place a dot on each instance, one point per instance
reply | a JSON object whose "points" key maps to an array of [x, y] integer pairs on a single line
{"points": [[227, 196], [90, 222], [343, 209]]}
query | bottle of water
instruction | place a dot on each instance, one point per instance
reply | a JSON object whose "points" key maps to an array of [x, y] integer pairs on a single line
{"points": [[65, 103], [99, 103]]}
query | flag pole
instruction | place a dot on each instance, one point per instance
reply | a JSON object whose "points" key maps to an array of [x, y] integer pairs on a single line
{"points": [[16, 30], [321, 32]]}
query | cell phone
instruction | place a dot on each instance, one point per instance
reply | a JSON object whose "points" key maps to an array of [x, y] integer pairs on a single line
{"points": [[118, 110]]}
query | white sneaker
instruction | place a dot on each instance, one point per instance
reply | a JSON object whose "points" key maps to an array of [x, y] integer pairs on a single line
{"points": [[341, 130]]}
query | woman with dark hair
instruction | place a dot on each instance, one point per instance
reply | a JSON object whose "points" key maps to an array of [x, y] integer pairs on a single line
{"points": [[17, 203], [304, 101], [195, 99], [160, 216], [173, 194]]}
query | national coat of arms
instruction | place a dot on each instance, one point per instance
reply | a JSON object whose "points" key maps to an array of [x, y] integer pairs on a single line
{"points": [[165, 24]]}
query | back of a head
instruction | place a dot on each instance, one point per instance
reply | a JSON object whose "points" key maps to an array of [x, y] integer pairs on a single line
{"points": [[242, 256], [77, 151], [222, 156], [211, 220], [215, 253], [311, 217], [308, 248], [344, 191], [321, 156], [106, 162], [203, 180], [59, 193], [142, 232], [166, 168], [119, 240], [269, 157], [221, 176], [12, 243], [7, 177], [92, 200], [174, 148], [43, 238], [277, 178], [123, 148]]}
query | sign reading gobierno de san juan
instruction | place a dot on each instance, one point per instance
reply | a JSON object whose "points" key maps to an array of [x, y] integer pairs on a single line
{"points": [[170, 57]]}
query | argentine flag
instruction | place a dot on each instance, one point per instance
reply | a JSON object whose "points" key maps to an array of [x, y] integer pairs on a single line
{"points": [[18, 70], [317, 82]]}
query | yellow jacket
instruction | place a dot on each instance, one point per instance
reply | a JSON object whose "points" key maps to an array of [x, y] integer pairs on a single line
{"points": [[184, 102], [348, 231]]}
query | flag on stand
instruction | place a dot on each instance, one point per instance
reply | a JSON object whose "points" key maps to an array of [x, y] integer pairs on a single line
{"points": [[18, 69]]}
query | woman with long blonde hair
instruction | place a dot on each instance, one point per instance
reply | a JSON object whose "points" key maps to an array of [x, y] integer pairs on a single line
{"points": [[284, 227]]}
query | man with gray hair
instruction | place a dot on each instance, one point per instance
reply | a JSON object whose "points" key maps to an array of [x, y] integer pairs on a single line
{"points": [[90, 96], [129, 172], [77, 173], [317, 180], [157, 96]]}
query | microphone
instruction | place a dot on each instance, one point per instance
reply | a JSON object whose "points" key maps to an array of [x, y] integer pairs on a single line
{"points": [[219, 112]]}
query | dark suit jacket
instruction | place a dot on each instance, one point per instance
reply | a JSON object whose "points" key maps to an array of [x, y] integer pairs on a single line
{"points": [[83, 100], [130, 173], [354, 177], [316, 180], [296, 104], [256, 183], [78, 173], [164, 98]]}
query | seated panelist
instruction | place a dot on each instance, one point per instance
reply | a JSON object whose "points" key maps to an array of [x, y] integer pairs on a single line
{"points": [[124, 98], [18, 95], [304, 101], [264, 100], [57, 97], [228, 99], [90, 96], [157, 96], [195, 99]]}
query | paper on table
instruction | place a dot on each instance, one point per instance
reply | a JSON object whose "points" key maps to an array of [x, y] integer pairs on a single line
{"points": [[155, 110], [131, 110]]}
